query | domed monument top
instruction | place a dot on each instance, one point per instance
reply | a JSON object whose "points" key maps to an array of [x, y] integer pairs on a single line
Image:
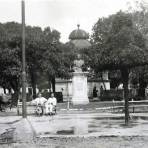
{"points": [[79, 38], [78, 34]]}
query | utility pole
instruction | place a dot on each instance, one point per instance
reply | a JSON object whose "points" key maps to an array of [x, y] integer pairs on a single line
{"points": [[24, 112]]}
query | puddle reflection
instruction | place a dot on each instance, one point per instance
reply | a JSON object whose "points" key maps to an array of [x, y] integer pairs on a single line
{"points": [[79, 126], [65, 132]]}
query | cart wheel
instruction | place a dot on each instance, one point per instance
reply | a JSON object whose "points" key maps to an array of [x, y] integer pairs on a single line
{"points": [[39, 110]]}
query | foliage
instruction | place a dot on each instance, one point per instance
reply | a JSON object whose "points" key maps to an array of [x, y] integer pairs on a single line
{"points": [[10, 55], [45, 55], [101, 30], [124, 48], [57, 57], [140, 21]]}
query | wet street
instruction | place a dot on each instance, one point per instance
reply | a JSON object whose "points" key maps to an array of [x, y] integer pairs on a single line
{"points": [[88, 124], [81, 129]]}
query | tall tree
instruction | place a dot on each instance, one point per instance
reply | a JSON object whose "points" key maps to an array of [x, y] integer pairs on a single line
{"points": [[125, 48], [101, 30], [10, 39], [139, 13], [34, 37]]}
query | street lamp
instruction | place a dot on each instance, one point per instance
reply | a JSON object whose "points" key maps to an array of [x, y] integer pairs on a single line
{"points": [[24, 112]]}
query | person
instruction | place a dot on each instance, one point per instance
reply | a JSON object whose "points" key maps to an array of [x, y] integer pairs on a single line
{"points": [[95, 92], [40, 102], [101, 91], [50, 105]]}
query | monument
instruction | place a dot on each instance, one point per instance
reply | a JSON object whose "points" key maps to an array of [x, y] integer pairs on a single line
{"points": [[79, 38], [79, 83], [80, 87]]}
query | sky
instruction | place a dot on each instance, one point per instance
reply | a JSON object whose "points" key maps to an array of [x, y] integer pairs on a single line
{"points": [[62, 15]]}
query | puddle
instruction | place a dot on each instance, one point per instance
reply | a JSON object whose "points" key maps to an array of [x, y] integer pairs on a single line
{"points": [[108, 126], [144, 123], [84, 126], [47, 133], [131, 125], [140, 118], [93, 126], [92, 131], [109, 118], [65, 132]]}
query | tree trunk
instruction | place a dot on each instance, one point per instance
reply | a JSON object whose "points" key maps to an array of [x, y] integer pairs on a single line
{"points": [[34, 90], [103, 83], [53, 84], [125, 78], [15, 96], [49, 83], [142, 86], [16, 88], [4, 90], [33, 83], [9, 90]]}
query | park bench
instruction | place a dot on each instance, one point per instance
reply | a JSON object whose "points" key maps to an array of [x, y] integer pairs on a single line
{"points": [[30, 108]]}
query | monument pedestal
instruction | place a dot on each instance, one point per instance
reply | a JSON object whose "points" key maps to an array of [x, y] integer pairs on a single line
{"points": [[79, 88]]}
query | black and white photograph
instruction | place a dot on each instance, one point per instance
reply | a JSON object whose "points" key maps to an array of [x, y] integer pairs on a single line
{"points": [[73, 73]]}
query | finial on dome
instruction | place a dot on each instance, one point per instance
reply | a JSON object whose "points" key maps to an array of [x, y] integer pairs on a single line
{"points": [[78, 25]]}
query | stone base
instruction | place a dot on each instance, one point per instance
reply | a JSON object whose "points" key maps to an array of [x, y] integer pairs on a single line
{"points": [[79, 93], [77, 101]]}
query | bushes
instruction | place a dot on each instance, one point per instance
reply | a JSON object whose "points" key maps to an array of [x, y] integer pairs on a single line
{"points": [[58, 96], [117, 95], [109, 95]]}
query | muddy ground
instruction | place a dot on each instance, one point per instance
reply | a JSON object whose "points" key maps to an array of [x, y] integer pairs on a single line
{"points": [[91, 142]]}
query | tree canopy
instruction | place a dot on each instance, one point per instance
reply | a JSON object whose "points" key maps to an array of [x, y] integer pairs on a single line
{"points": [[45, 55], [123, 48]]}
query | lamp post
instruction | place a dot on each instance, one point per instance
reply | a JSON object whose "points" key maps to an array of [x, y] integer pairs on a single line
{"points": [[24, 112]]}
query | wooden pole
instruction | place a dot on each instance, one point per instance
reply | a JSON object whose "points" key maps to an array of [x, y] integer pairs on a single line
{"points": [[24, 112]]}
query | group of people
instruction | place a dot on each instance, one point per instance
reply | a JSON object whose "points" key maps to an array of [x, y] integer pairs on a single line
{"points": [[48, 106]]}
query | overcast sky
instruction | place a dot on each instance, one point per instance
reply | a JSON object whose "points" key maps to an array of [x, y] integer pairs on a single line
{"points": [[63, 15]]}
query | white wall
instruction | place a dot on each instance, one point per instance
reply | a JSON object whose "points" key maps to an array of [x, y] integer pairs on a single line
{"points": [[67, 87]]}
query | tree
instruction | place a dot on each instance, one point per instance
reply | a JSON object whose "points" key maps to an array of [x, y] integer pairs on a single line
{"points": [[42, 55], [100, 31], [124, 49], [45, 56], [34, 39], [10, 39], [50, 55], [139, 15], [115, 78], [56, 59]]}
